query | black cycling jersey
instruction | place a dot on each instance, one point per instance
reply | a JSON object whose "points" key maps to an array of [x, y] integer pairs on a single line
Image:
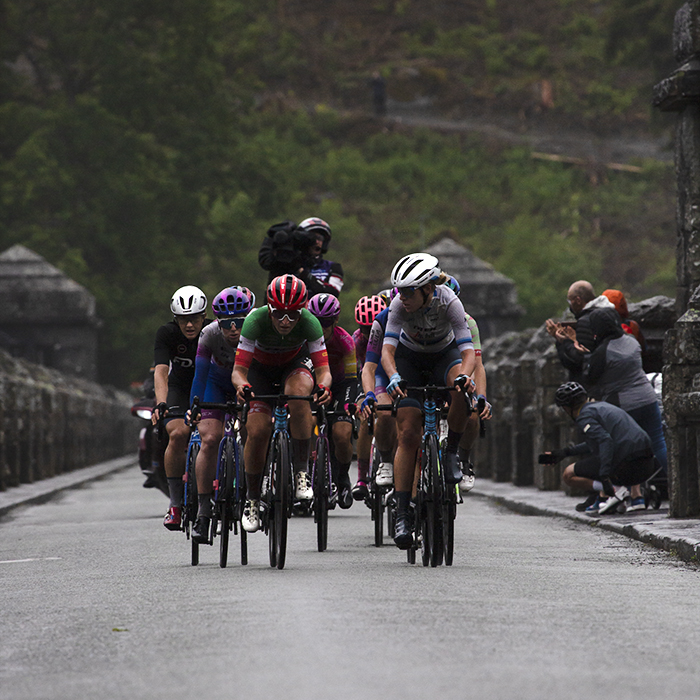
{"points": [[174, 349]]}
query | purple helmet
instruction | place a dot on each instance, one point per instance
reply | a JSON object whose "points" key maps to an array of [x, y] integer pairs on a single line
{"points": [[245, 291], [325, 307], [231, 302]]}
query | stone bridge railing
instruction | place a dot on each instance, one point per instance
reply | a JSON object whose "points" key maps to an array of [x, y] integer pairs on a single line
{"points": [[51, 423], [523, 373]]}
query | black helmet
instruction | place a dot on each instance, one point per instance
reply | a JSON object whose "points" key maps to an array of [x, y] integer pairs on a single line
{"points": [[570, 394]]}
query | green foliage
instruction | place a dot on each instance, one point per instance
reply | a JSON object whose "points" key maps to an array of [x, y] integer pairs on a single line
{"points": [[146, 145]]}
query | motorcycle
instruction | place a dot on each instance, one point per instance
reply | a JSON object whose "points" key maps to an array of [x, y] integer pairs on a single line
{"points": [[151, 450]]}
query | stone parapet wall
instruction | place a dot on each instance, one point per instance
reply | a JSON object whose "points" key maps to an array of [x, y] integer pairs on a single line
{"points": [[51, 423]]}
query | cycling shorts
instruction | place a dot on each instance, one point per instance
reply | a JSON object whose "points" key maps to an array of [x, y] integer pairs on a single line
{"points": [[270, 379], [344, 393], [420, 368], [217, 391], [178, 401]]}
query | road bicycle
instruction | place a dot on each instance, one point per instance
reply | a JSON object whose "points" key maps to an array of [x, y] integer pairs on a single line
{"points": [[277, 495], [436, 501], [229, 482]]}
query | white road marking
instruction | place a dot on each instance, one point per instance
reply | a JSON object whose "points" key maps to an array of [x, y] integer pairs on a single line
{"points": [[21, 561]]}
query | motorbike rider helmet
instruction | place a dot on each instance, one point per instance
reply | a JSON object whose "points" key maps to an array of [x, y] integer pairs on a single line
{"points": [[367, 309], [320, 227], [287, 293], [325, 307], [415, 270], [570, 394], [188, 301], [231, 302]]}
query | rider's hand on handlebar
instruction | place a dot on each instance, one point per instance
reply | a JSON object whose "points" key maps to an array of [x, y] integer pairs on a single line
{"points": [[464, 382], [393, 388], [324, 395], [244, 393], [487, 413], [367, 404], [160, 411]]}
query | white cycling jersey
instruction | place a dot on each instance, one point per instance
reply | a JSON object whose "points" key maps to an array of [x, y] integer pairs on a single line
{"points": [[431, 328]]}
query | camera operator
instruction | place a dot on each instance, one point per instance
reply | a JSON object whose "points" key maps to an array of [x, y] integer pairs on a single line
{"points": [[298, 250], [615, 450]]}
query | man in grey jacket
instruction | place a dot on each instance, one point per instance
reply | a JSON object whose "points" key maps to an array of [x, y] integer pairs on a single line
{"points": [[615, 450]]}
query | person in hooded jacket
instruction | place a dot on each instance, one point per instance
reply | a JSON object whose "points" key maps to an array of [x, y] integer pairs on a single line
{"points": [[613, 372], [573, 345]]}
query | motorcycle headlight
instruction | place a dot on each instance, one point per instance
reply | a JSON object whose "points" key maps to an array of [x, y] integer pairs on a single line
{"points": [[144, 413]]}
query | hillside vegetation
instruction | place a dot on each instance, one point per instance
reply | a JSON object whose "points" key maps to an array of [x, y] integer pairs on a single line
{"points": [[145, 145]]}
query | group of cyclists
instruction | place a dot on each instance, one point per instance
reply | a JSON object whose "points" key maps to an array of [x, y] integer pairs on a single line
{"points": [[414, 333]]}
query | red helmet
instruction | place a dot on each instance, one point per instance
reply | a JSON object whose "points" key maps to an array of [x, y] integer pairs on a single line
{"points": [[286, 292], [367, 309]]}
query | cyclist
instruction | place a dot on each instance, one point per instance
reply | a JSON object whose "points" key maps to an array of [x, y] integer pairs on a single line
{"points": [[426, 334], [280, 343], [472, 429], [212, 383], [174, 356], [343, 365], [366, 310], [374, 383]]}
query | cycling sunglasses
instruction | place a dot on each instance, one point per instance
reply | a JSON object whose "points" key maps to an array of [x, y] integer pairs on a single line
{"points": [[184, 320], [327, 322], [281, 314], [226, 323], [406, 291]]}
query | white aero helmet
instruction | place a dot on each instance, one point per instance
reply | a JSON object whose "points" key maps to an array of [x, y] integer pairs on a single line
{"points": [[188, 300], [415, 270]]}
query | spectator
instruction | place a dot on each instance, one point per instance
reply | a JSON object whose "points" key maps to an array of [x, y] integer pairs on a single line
{"points": [[614, 451], [572, 345], [628, 325], [613, 372], [299, 250]]}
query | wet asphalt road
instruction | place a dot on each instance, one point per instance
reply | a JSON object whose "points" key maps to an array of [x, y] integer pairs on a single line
{"points": [[99, 601]]}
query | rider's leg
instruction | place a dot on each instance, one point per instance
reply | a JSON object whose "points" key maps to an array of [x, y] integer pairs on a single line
{"points": [[456, 422], [385, 440], [341, 434], [259, 425], [210, 431], [175, 458], [300, 383], [409, 422]]}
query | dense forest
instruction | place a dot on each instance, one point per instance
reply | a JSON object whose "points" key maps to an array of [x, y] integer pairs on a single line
{"points": [[146, 145]]}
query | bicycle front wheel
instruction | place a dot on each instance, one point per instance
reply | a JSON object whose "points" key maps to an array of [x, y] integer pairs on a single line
{"points": [[321, 488], [280, 489], [225, 497], [432, 492], [189, 511]]}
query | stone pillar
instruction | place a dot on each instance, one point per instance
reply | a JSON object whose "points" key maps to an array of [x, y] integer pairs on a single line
{"points": [[681, 93]]}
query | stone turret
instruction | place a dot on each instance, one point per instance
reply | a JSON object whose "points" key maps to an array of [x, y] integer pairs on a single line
{"points": [[490, 297], [45, 317]]}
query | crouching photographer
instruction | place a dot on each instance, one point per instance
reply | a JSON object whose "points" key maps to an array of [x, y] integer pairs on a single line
{"points": [[615, 455], [289, 249]]}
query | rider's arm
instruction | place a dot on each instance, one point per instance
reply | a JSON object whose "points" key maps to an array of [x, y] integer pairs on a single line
{"points": [[160, 382], [368, 376], [202, 364]]}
